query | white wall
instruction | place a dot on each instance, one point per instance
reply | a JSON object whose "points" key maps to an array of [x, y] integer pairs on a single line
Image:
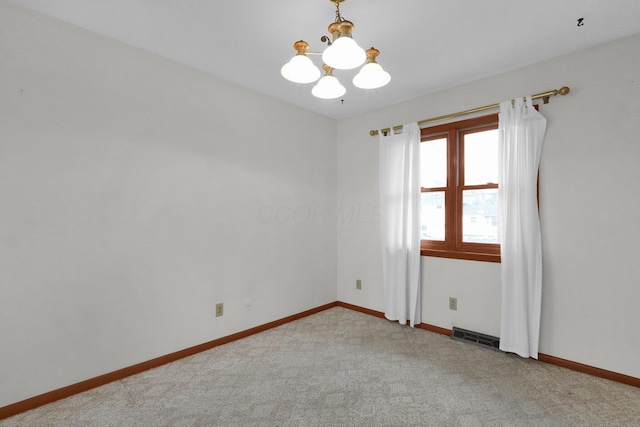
{"points": [[135, 194], [589, 209]]}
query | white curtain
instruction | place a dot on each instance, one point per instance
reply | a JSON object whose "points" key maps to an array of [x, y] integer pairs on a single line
{"points": [[400, 218], [521, 130]]}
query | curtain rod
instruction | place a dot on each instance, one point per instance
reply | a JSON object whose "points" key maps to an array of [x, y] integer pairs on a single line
{"points": [[545, 97]]}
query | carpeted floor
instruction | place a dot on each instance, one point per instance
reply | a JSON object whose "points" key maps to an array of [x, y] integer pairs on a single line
{"points": [[344, 368]]}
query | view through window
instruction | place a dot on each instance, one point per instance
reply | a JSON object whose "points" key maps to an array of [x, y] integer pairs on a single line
{"points": [[459, 198]]}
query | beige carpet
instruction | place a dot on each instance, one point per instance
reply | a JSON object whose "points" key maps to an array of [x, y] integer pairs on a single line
{"points": [[344, 368]]}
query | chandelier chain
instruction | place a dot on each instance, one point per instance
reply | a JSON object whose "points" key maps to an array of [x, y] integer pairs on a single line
{"points": [[338, 17]]}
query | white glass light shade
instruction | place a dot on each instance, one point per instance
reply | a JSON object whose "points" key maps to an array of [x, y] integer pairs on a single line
{"points": [[344, 54], [371, 76], [328, 87], [300, 70]]}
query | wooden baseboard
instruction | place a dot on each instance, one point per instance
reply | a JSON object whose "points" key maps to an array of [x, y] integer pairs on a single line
{"points": [[436, 329], [52, 396], [591, 370], [361, 309], [375, 313], [61, 393], [574, 366]]}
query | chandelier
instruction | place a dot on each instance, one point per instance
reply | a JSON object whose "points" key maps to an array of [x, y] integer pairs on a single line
{"points": [[342, 53]]}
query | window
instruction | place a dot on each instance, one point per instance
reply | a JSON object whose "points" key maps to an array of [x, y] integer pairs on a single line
{"points": [[459, 199]]}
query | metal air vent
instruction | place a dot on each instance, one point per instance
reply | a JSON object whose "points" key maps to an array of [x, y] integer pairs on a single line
{"points": [[475, 338]]}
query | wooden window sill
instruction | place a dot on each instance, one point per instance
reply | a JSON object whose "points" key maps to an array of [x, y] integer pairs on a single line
{"points": [[472, 256]]}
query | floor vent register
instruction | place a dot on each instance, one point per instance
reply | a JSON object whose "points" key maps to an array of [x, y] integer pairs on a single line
{"points": [[475, 338]]}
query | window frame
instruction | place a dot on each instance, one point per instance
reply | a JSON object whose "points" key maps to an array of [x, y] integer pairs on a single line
{"points": [[453, 246]]}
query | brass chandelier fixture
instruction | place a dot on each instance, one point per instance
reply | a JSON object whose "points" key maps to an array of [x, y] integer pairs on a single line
{"points": [[342, 53]]}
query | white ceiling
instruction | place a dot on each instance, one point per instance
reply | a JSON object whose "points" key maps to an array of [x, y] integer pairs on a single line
{"points": [[426, 45]]}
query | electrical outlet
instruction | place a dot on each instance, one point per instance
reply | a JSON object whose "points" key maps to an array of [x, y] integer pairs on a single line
{"points": [[358, 284], [219, 309], [453, 303]]}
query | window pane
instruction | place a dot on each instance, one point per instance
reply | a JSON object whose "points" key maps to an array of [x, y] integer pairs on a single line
{"points": [[480, 216], [481, 157], [432, 215], [433, 163]]}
